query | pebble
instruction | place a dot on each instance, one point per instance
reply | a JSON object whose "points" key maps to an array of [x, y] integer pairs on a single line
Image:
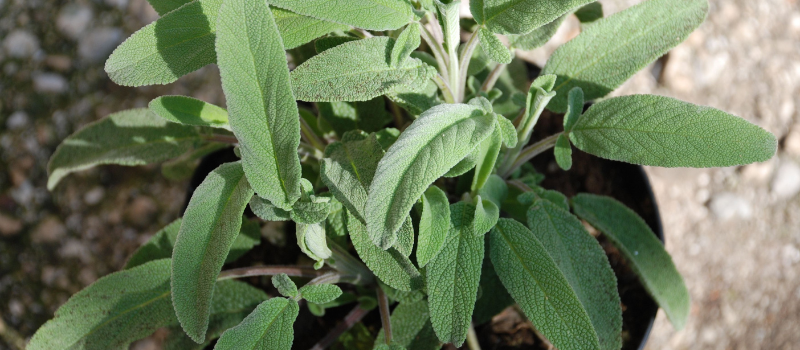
{"points": [[9, 226], [141, 211], [50, 230], [51, 83], [758, 173], [73, 20], [786, 183], [120, 4], [726, 206], [94, 196], [99, 43], [17, 120], [791, 144], [74, 248], [21, 44], [60, 63]]}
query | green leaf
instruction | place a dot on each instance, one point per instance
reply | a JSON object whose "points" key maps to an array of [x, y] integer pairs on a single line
{"points": [[357, 71], [329, 42], [387, 137], [661, 131], [426, 150], [268, 327], [183, 167], [190, 111], [523, 16], [284, 285], [542, 291], [312, 242], [612, 49], [554, 197], [297, 29], [538, 37], [539, 95], [209, 228], [132, 137], [366, 14], [563, 152], [488, 151], [401, 296], [476, 8], [590, 12], [391, 267], [411, 327], [266, 211], [320, 293], [507, 131], [486, 215], [180, 42], [348, 168], [495, 190], [164, 6], [434, 224], [494, 297], [574, 109], [453, 277], [367, 116], [464, 165], [414, 100], [642, 249], [405, 238], [585, 265], [407, 42], [263, 112], [493, 47]]}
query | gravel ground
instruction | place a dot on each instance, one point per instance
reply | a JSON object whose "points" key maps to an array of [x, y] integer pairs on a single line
{"points": [[734, 233]]}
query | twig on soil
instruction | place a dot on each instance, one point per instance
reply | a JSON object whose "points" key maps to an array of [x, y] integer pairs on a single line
{"points": [[272, 270], [349, 321], [383, 306]]}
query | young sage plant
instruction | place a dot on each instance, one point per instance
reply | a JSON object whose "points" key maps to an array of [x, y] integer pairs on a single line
{"points": [[404, 170]]}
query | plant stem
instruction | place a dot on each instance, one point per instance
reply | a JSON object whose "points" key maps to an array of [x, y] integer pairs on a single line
{"points": [[222, 138], [308, 134], [472, 338], [348, 266], [349, 321], [466, 56], [272, 270], [442, 83], [436, 48], [383, 306], [491, 79], [530, 152]]}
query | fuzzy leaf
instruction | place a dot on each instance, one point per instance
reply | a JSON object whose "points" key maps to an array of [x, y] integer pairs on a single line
{"points": [[391, 267], [542, 291], [414, 100], [268, 327], [563, 152], [493, 47], [523, 16], [331, 41], [574, 109], [426, 150], [434, 224], [190, 111], [642, 249], [612, 49], [405, 238], [453, 277], [182, 167], [366, 116], [284, 285], [590, 12], [495, 190], [488, 151], [366, 14], [348, 168], [266, 211], [357, 71], [312, 242], [209, 228], [132, 137], [507, 131], [585, 265], [407, 42], [263, 112], [494, 297], [164, 6], [661, 131], [538, 37], [297, 29], [320, 293], [486, 215], [411, 327]]}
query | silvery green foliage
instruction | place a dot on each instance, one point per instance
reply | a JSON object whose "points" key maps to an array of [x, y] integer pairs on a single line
{"points": [[405, 171]]}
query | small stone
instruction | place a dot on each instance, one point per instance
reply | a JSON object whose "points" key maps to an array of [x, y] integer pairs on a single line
{"points": [[16, 307], [50, 83], [60, 63], [786, 183], [94, 196], [791, 255], [21, 44], [9, 226], [727, 205], [73, 20], [120, 4], [50, 230], [17, 120], [141, 211], [791, 144], [74, 248], [99, 43], [759, 173]]}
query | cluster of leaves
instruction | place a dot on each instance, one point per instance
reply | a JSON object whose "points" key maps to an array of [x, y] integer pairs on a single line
{"points": [[444, 216]]}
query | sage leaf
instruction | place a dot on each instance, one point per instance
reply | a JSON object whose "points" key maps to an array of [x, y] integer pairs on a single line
{"points": [[267, 211], [406, 43], [554, 197], [642, 249], [132, 137], [320, 293], [661, 131], [180, 42], [537, 37], [523, 16], [574, 109], [453, 277], [189, 111], [331, 41], [540, 289], [268, 327], [164, 6], [297, 29], [493, 47], [366, 14], [209, 228], [590, 12], [182, 167], [563, 152], [357, 71], [486, 158], [312, 242], [366, 116], [465, 165], [494, 297], [486, 215], [585, 265], [411, 327], [284, 285], [434, 224], [391, 267], [348, 168], [405, 238], [495, 190], [263, 112], [631, 39], [414, 100], [507, 131], [426, 150]]}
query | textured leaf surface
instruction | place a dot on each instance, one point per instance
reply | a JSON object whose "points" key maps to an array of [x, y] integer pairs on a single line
{"points": [[284, 285], [537, 37], [182, 167], [297, 29], [642, 249], [590, 12], [494, 297], [176, 44], [405, 238], [366, 116], [453, 277], [268, 327], [486, 158], [411, 327], [425, 151], [585, 265], [563, 152], [263, 112], [661, 131], [574, 108], [132, 137], [407, 42], [486, 216], [320, 293], [391, 267], [434, 224], [357, 71], [266, 211], [190, 111], [523, 16], [164, 6], [612, 49], [209, 228], [493, 47], [414, 100], [348, 168], [542, 291], [312, 242], [366, 14]]}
